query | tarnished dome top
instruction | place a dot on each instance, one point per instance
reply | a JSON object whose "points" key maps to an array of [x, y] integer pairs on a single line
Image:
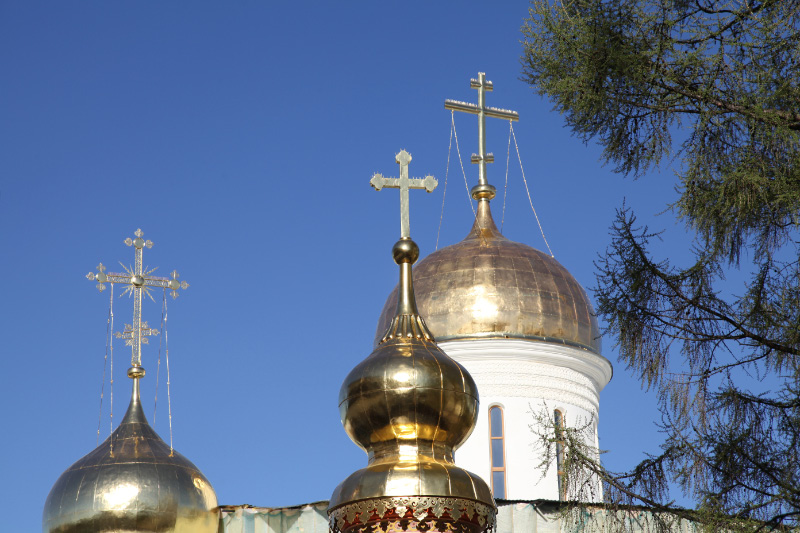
{"points": [[133, 482], [487, 286]]}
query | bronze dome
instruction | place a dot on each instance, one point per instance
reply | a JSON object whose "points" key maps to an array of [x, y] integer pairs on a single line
{"points": [[487, 286]]}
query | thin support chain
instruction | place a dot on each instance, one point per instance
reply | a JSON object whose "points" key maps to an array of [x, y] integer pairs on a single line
{"points": [[444, 193], [529, 193], [169, 398], [109, 327], [110, 344], [158, 363], [505, 189], [455, 134]]}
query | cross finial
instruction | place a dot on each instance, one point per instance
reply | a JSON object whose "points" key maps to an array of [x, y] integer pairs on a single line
{"points": [[404, 183], [482, 110], [407, 322], [137, 280]]}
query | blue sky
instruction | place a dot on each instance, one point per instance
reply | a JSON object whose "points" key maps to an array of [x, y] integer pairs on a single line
{"points": [[241, 138]]}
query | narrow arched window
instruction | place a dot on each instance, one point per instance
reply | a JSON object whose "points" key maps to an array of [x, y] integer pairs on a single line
{"points": [[558, 419], [498, 451]]}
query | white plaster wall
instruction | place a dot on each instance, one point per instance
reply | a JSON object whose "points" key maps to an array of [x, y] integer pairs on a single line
{"points": [[521, 517], [526, 378]]}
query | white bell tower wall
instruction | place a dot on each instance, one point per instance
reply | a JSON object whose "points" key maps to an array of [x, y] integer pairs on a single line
{"points": [[524, 379]]}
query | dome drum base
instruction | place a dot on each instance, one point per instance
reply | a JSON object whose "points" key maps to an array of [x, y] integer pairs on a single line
{"points": [[413, 513]]}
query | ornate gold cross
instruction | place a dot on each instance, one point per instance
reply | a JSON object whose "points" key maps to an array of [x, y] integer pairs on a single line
{"points": [[404, 183], [137, 281], [482, 110]]}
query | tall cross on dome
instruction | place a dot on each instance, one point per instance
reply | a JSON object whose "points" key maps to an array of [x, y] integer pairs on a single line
{"points": [[404, 183], [482, 110], [137, 281]]}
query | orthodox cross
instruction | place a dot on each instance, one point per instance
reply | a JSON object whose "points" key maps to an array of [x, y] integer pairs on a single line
{"points": [[137, 281], [404, 183], [483, 111]]}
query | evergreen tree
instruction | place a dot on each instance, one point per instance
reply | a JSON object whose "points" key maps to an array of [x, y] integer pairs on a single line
{"points": [[723, 77]]}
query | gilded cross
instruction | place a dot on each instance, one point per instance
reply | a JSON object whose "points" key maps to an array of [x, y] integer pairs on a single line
{"points": [[482, 110], [404, 183], [137, 281]]}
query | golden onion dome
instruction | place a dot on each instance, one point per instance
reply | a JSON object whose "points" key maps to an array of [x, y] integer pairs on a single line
{"points": [[409, 406], [487, 286], [133, 482]]}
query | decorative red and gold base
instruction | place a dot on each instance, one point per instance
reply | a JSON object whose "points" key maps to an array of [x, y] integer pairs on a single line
{"points": [[409, 514]]}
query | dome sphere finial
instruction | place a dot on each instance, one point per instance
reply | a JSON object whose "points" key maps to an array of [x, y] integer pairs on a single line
{"points": [[405, 251], [136, 372], [483, 192]]}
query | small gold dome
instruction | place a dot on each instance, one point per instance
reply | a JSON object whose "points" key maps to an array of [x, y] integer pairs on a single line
{"points": [[409, 406], [487, 286], [142, 486]]}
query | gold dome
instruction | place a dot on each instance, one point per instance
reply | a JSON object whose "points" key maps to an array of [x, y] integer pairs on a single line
{"points": [[132, 483], [487, 286], [409, 406]]}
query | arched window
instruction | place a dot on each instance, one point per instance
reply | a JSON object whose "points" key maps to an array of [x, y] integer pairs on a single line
{"points": [[498, 451], [558, 418]]}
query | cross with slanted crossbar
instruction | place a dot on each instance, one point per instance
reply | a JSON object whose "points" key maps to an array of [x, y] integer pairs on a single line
{"points": [[483, 111], [137, 280], [404, 183]]}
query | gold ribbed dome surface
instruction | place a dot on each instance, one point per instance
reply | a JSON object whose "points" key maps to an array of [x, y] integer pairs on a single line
{"points": [[487, 286], [409, 405], [142, 486]]}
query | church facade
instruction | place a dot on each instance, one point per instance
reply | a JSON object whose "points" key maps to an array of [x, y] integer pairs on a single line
{"points": [[510, 316]]}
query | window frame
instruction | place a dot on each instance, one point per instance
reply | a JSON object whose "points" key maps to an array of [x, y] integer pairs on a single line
{"points": [[502, 439]]}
